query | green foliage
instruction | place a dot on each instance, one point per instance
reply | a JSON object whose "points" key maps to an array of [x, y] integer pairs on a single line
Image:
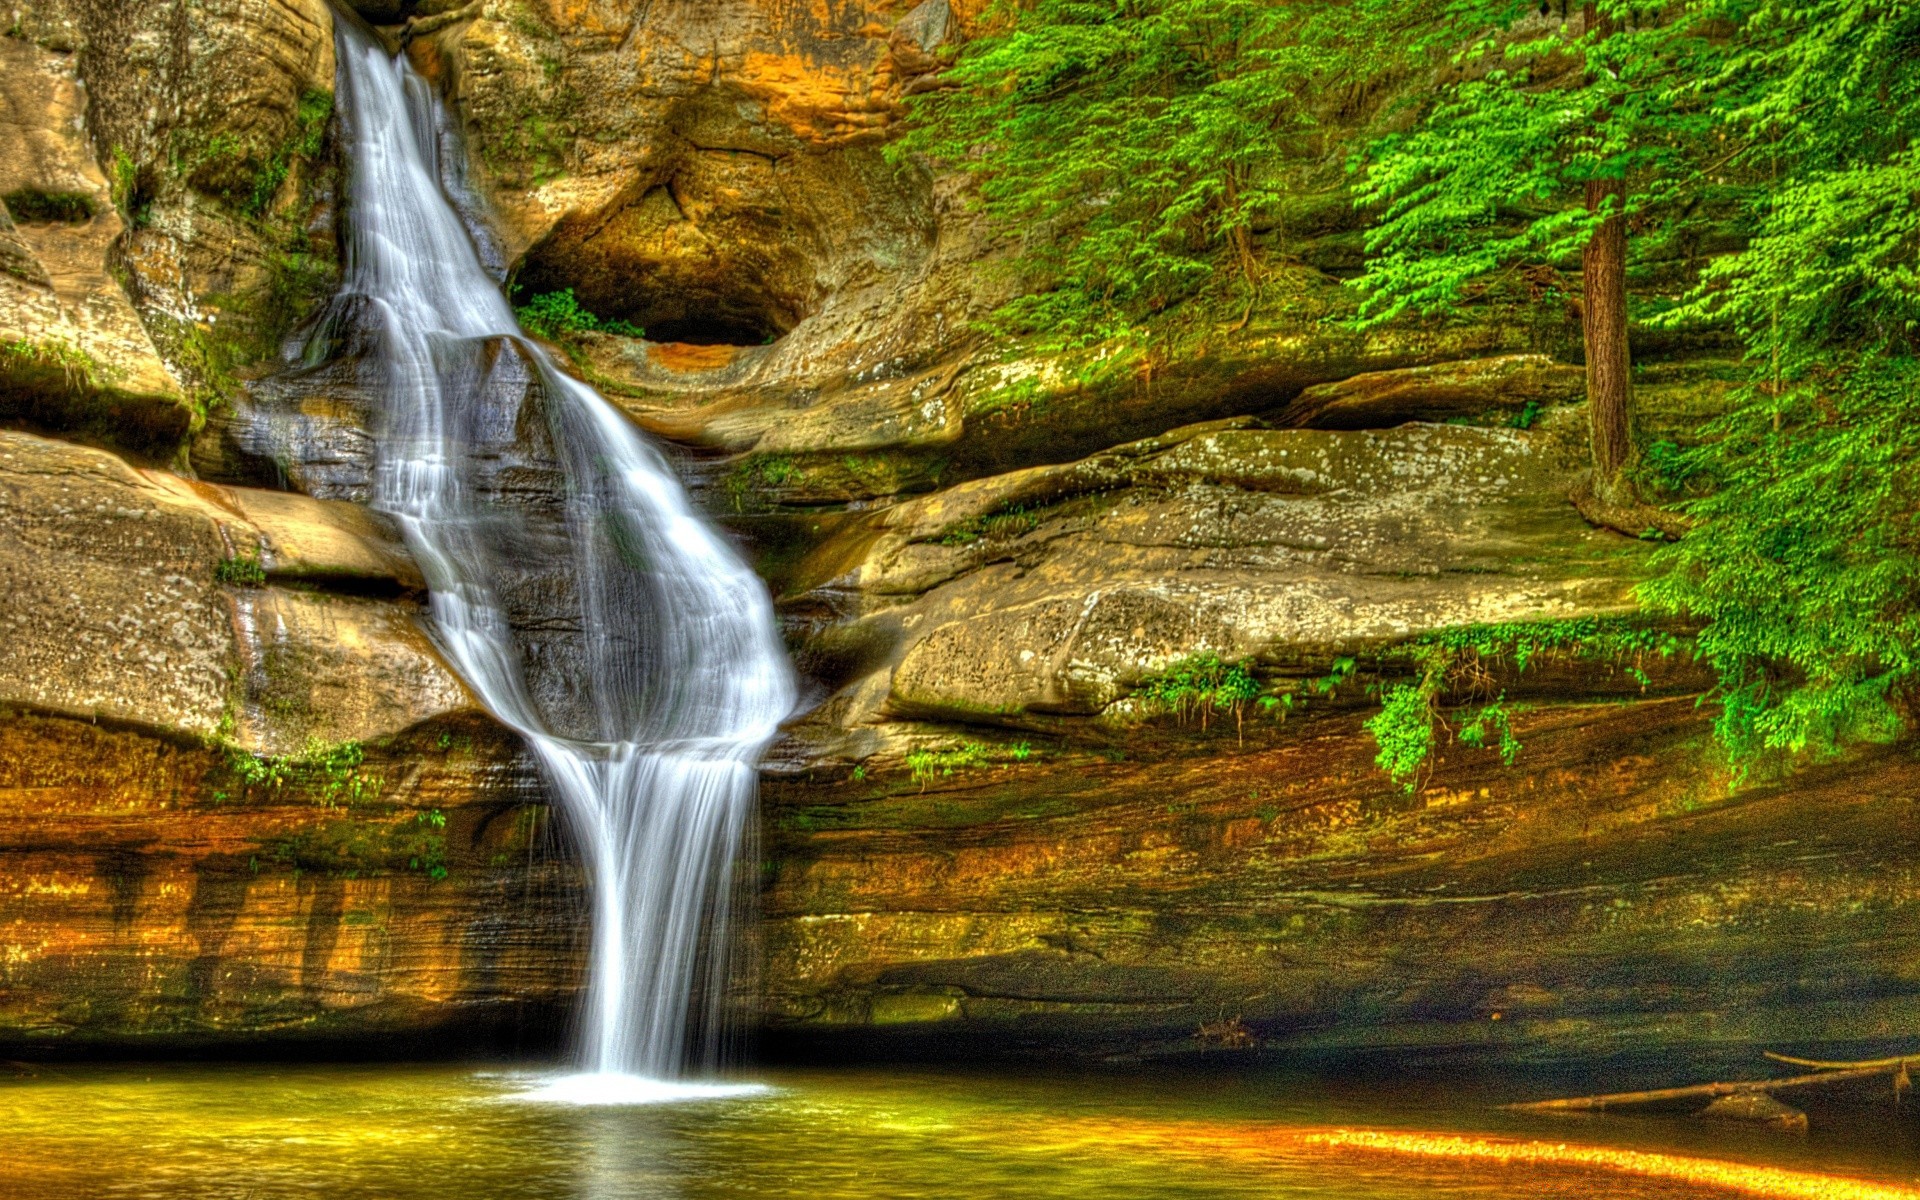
{"points": [[1804, 563], [1461, 662], [556, 314], [1492, 721], [1403, 729], [241, 570], [123, 185], [1132, 145], [332, 773], [1528, 414], [1492, 180], [428, 845], [1199, 686], [929, 765], [37, 204], [79, 369], [337, 769]]}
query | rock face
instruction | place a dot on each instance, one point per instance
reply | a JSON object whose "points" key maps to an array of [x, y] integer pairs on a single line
{"points": [[1600, 896], [152, 896], [171, 210], [243, 800], [1057, 590], [243, 795], [139, 597], [73, 352]]}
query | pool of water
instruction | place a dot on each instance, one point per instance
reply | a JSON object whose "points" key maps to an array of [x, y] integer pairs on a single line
{"points": [[261, 1132]]}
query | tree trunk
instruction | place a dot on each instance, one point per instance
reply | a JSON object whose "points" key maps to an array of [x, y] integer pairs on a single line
{"points": [[1609, 366], [1610, 498]]}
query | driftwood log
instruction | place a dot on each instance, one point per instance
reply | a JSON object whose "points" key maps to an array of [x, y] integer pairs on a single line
{"points": [[1744, 1100]]}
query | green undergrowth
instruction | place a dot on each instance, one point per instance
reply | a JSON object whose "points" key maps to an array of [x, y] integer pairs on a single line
{"points": [[1203, 686], [80, 370], [332, 773], [1454, 694], [1468, 663], [1200, 687], [555, 314], [929, 765]]}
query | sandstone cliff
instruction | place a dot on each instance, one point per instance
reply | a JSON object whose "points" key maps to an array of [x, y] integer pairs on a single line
{"points": [[246, 799]]}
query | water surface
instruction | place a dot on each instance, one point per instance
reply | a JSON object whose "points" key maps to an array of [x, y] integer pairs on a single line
{"points": [[401, 1132]]}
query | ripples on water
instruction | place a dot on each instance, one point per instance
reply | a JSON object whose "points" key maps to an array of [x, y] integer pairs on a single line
{"points": [[400, 1133]]}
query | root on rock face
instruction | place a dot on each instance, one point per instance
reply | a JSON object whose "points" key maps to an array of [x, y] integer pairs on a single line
{"points": [[1629, 515]]}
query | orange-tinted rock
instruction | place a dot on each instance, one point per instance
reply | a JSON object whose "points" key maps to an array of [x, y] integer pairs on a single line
{"points": [[151, 897], [1602, 895]]}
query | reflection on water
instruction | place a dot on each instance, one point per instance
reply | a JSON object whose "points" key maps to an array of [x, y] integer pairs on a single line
{"points": [[406, 1132]]}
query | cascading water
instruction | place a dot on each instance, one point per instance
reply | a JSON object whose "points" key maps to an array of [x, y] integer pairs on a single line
{"points": [[681, 679]]}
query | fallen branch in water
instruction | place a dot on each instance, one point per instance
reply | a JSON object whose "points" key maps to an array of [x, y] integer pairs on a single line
{"points": [[1905, 1060], [1750, 1100]]}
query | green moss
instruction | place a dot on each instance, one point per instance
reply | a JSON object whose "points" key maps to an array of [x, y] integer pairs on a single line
{"points": [[929, 765], [1004, 523], [241, 570], [244, 171], [755, 473], [124, 186], [36, 204], [213, 358], [353, 846], [79, 370]]}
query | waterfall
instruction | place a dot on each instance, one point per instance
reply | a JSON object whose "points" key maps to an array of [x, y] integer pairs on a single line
{"points": [[676, 679]]}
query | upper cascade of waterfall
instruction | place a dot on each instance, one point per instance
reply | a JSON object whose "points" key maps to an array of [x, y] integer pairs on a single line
{"points": [[682, 679]]}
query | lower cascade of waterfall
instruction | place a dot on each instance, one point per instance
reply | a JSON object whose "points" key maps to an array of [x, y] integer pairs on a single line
{"points": [[677, 679]]}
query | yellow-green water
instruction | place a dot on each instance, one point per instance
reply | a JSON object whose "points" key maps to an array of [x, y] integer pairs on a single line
{"points": [[402, 1132]]}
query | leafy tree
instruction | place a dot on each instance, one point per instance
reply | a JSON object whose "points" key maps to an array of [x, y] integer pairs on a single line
{"points": [[556, 314], [1131, 144], [1805, 560], [1553, 134]]}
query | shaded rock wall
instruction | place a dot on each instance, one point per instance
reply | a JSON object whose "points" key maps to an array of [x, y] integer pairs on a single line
{"points": [[1603, 895]]}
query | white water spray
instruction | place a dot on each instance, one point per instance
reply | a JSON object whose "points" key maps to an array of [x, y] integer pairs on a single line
{"points": [[684, 676]]}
